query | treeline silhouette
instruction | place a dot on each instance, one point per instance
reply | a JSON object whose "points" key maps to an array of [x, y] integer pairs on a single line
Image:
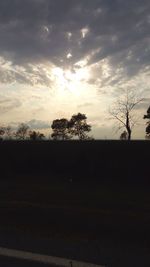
{"points": [[74, 128], [101, 161], [62, 129]]}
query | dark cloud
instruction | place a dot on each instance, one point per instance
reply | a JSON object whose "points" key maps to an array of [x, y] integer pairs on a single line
{"points": [[34, 31]]}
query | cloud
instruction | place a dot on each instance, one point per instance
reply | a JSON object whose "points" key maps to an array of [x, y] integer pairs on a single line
{"points": [[143, 105], [33, 124], [85, 105], [38, 32], [7, 104], [27, 74], [38, 124]]}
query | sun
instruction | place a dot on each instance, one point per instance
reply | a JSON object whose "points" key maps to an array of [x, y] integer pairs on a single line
{"points": [[77, 75], [71, 80], [59, 75]]}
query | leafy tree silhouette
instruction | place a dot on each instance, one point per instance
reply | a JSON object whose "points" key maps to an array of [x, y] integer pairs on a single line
{"points": [[2, 132], [124, 136], [147, 116], [79, 127], [60, 129], [34, 136]]}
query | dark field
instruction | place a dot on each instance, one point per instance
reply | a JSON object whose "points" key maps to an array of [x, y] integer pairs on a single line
{"points": [[78, 191], [113, 162]]}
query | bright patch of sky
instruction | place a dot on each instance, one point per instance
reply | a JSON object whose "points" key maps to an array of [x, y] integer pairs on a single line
{"points": [[58, 58]]}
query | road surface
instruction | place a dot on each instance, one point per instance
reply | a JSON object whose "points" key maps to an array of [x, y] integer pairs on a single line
{"points": [[12, 262], [106, 252], [34, 259]]}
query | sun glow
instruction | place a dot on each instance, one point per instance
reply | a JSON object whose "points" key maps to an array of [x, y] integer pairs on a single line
{"points": [[71, 80]]}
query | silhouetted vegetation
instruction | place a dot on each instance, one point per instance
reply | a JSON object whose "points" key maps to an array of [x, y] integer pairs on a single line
{"points": [[23, 131], [147, 116], [124, 136], [64, 129], [2, 132], [60, 129], [79, 127], [122, 111], [6, 133], [35, 136]]}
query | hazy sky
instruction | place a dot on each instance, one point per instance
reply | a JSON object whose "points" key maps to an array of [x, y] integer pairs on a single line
{"points": [[60, 57]]}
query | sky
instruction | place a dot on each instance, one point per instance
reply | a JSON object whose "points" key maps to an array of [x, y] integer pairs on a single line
{"points": [[61, 57]]}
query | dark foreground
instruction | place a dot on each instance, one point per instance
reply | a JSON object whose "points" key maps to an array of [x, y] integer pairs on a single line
{"points": [[11, 262], [84, 201], [93, 223], [105, 251], [102, 161]]}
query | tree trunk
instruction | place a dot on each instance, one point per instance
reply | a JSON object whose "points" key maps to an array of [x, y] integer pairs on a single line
{"points": [[129, 134], [128, 126]]}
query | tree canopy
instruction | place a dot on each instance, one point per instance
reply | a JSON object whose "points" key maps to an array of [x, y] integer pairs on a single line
{"points": [[35, 136], [147, 116], [60, 129], [22, 131], [2, 132], [79, 127], [64, 129], [124, 136]]}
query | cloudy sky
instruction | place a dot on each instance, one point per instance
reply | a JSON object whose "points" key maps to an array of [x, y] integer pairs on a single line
{"points": [[60, 57]]}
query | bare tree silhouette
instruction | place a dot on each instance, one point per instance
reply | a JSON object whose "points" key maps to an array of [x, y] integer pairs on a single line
{"points": [[22, 132], [122, 111]]}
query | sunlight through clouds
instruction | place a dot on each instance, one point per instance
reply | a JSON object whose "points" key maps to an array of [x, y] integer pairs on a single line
{"points": [[63, 57], [84, 32]]}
